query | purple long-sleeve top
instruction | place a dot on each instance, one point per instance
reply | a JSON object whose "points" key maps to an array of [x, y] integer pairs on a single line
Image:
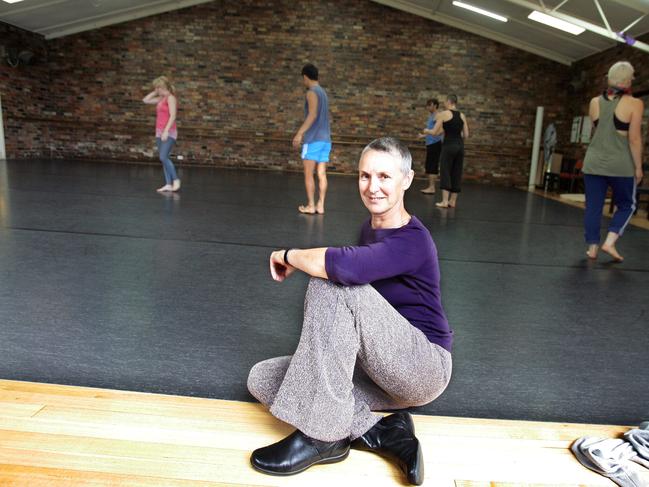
{"points": [[401, 264]]}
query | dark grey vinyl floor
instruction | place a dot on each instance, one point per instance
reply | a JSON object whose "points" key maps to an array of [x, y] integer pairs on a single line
{"points": [[105, 283]]}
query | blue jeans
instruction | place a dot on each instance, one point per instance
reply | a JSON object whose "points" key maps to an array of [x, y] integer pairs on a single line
{"points": [[623, 197], [164, 149]]}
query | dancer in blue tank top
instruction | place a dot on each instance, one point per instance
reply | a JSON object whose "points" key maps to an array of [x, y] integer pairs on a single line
{"points": [[433, 146], [314, 136]]}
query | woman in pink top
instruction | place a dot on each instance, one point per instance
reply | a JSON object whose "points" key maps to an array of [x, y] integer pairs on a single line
{"points": [[165, 128]]}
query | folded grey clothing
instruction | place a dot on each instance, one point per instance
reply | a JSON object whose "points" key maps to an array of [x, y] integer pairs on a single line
{"points": [[644, 425], [639, 439], [609, 457]]}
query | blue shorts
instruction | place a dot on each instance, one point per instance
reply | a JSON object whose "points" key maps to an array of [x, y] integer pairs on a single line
{"points": [[316, 151]]}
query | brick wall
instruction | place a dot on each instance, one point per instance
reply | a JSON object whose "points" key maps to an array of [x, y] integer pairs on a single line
{"points": [[236, 65], [25, 94]]}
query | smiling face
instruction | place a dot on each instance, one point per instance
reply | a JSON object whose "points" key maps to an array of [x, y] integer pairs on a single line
{"points": [[382, 183]]}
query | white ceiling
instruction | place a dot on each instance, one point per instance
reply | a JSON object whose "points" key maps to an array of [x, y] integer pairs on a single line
{"points": [[531, 36], [56, 18]]}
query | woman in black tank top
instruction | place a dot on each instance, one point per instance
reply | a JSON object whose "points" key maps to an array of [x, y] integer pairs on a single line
{"points": [[453, 128], [452, 123]]}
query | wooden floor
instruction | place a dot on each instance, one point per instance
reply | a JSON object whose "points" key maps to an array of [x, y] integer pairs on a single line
{"points": [[52, 435]]}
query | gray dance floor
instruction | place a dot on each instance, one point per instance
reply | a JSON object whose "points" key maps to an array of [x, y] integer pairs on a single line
{"points": [[105, 283]]}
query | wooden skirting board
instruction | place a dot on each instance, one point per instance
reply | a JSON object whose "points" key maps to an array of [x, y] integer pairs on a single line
{"points": [[55, 436]]}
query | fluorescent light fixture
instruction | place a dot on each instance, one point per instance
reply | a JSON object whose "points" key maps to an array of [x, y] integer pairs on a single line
{"points": [[480, 11], [12, 1], [556, 23]]}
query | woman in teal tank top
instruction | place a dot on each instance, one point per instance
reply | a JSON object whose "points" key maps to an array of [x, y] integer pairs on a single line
{"points": [[613, 159]]}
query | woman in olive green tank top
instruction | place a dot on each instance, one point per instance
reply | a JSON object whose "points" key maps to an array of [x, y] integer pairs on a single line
{"points": [[613, 159]]}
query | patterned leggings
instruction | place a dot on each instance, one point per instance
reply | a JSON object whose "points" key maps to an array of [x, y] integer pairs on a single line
{"points": [[356, 355]]}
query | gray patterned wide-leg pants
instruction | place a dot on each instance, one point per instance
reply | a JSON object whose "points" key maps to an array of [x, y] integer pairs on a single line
{"points": [[356, 355]]}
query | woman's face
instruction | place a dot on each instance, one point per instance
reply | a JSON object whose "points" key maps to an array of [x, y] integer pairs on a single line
{"points": [[381, 182], [161, 90]]}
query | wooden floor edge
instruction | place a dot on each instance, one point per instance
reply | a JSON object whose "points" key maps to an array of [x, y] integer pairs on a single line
{"points": [[94, 391], [64, 435]]}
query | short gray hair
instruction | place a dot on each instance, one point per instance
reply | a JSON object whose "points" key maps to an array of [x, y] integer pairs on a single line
{"points": [[394, 147], [619, 73]]}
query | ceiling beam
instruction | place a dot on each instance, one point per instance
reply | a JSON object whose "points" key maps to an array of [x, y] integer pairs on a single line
{"points": [[596, 29], [626, 29], [474, 29], [560, 35], [603, 16], [560, 5]]}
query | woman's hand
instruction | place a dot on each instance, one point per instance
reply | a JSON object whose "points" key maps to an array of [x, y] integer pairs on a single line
{"points": [[165, 135], [279, 269], [639, 174]]}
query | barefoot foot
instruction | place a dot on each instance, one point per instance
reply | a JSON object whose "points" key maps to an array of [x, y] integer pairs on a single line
{"points": [[612, 251], [428, 190], [165, 188], [176, 185], [441, 204], [306, 209], [591, 253]]}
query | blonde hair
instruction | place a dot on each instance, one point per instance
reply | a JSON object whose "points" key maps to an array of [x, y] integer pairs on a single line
{"points": [[165, 83], [620, 72]]}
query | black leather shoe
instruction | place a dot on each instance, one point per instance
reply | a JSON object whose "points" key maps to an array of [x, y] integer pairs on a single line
{"points": [[296, 453], [394, 437]]}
